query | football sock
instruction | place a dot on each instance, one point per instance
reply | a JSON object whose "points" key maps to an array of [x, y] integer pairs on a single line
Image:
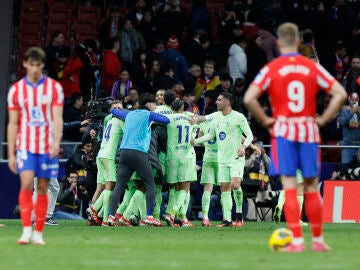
{"points": [[205, 204], [185, 206], [179, 201], [106, 203], [40, 211], [301, 203], [99, 202], [101, 212], [171, 200], [292, 210], [238, 198], [158, 200], [313, 208], [226, 202], [26, 206], [281, 199], [133, 206], [122, 207]]}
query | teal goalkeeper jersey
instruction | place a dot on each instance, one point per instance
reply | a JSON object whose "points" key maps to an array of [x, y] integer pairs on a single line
{"points": [[113, 130], [179, 131], [228, 130], [211, 147]]}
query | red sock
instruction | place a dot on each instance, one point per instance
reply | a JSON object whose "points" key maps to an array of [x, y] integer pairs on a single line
{"points": [[314, 211], [292, 210], [26, 206], [40, 212]]}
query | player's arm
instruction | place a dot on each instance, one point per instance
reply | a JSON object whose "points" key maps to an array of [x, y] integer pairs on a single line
{"points": [[338, 97], [12, 130], [252, 146], [206, 137], [119, 113], [248, 136], [58, 125], [156, 117], [252, 104]]}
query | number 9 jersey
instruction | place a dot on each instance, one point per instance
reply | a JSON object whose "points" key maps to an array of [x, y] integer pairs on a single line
{"points": [[292, 82]]}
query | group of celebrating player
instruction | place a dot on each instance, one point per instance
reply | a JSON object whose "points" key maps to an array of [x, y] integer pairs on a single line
{"points": [[291, 81]]}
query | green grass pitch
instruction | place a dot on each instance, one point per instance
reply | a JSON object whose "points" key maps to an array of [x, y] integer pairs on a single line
{"points": [[73, 245]]}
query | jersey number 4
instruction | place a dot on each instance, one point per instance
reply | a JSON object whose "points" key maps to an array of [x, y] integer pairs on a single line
{"points": [[107, 132], [296, 95]]}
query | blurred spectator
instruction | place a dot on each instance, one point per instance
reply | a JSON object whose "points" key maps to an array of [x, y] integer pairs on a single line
{"points": [[52, 51], [350, 79], [179, 89], [192, 76], [122, 86], [256, 58], [130, 41], [159, 96], [226, 84], [110, 27], [111, 67], [165, 78], [209, 51], [154, 72], [307, 46], [136, 15], [269, 44], [72, 111], [140, 71], [261, 133], [238, 96], [350, 121], [210, 102], [335, 63], [200, 18], [189, 98], [353, 168], [71, 76], [60, 62], [237, 61], [90, 74], [148, 29], [132, 96], [171, 18], [206, 83], [70, 198], [193, 49]]}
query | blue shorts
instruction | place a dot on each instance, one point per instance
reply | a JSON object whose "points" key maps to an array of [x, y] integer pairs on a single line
{"points": [[288, 156], [40, 164]]}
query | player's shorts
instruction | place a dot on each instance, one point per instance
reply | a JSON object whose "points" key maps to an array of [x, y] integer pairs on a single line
{"points": [[162, 159], [40, 164], [136, 176], [209, 173], [288, 156], [227, 171], [106, 170], [181, 170]]}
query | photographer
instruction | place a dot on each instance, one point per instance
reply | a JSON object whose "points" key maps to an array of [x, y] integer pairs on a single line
{"points": [[70, 197], [350, 121]]}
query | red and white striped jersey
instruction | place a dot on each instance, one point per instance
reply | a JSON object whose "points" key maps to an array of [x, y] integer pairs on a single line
{"points": [[34, 104], [292, 83]]}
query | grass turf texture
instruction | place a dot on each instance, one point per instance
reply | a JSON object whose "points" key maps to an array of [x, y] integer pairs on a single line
{"points": [[73, 245]]}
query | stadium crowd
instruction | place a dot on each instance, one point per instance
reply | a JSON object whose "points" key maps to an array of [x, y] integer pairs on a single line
{"points": [[158, 53]]}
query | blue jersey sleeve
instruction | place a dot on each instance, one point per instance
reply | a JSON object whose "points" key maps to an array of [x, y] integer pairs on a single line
{"points": [[119, 113], [159, 118]]}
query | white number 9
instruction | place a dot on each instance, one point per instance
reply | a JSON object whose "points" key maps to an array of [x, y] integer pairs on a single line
{"points": [[296, 95]]}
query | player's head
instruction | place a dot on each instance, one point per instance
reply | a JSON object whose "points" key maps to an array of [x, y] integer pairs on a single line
{"points": [[147, 101], [169, 97], [288, 35], [34, 62], [224, 100], [116, 104], [159, 96], [177, 105]]}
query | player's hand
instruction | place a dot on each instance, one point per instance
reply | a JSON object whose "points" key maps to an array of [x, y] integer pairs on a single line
{"points": [[268, 122], [54, 150], [92, 133], [320, 121], [12, 164], [241, 151]]}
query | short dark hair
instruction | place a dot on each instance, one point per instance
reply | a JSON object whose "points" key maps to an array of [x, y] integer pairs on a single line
{"points": [[146, 98], [111, 42], [55, 34], [71, 172], [177, 103], [35, 54], [225, 77], [169, 96], [229, 97]]}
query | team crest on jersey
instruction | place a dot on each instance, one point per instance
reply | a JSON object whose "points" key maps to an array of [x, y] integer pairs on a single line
{"points": [[36, 113], [222, 135]]}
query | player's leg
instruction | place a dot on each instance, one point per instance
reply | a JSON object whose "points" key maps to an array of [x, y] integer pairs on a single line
{"points": [[313, 203], [300, 191], [237, 173], [98, 197], [205, 204], [279, 206], [110, 176], [226, 200], [158, 198], [208, 179]]}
